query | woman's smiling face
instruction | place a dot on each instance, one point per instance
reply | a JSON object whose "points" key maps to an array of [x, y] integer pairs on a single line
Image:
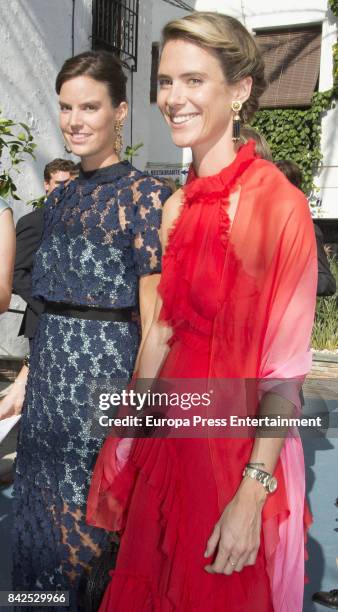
{"points": [[88, 118], [193, 95]]}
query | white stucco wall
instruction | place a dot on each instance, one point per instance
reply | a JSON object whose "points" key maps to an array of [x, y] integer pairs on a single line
{"points": [[139, 115], [327, 179], [161, 150], [36, 38]]}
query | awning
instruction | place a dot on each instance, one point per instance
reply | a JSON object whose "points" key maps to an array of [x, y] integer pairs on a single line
{"points": [[292, 60]]}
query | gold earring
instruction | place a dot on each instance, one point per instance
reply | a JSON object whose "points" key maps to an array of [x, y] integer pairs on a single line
{"points": [[236, 107], [118, 142]]}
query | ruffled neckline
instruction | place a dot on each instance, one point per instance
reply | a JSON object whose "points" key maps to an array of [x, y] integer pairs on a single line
{"points": [[222, 181], [108, 173]]}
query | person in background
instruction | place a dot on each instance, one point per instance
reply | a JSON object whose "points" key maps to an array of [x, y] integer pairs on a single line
{"points": [[326, 285], [7, 254], [291, 170], [261, 145], [329, 599]]}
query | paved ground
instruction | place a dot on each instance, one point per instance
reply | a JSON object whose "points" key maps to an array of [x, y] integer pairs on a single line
{"points": [[321, 456], [5, 526]]}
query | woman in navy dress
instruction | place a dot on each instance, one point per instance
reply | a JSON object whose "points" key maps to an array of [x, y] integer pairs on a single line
{"points": [[99, 256]]}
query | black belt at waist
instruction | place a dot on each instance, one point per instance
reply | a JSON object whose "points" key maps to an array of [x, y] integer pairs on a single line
{"points": [[122, 315]]}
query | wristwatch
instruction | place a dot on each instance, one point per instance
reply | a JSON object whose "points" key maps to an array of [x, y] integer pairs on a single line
{"points": [[268, 481]]}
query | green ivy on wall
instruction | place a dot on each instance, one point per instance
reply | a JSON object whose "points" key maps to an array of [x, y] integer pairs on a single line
{"points": [[333, 4], [335, 70], [294, 133]]}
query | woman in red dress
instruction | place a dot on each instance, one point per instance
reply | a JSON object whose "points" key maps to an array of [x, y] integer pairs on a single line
{"points": [[203, 525]]}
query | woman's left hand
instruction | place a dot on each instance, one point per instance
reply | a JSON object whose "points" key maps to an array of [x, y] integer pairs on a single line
{"points": [[236, 536], [12, 403]]}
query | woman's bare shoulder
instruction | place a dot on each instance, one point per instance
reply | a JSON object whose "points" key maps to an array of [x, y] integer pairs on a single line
{"points": [[171, 208], [171, 212]]}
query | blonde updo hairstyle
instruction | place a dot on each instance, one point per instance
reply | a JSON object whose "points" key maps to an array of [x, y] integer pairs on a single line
{"points": [[229, 41]]}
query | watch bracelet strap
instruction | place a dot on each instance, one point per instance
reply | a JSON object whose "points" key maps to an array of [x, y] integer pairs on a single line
{"points": [[254, 467], [259, 475]]}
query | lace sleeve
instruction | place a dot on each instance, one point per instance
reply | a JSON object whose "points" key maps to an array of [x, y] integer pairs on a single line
{"points": [[149, 197]]}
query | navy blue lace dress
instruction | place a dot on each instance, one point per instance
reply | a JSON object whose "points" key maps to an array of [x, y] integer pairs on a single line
{"points": [[101, 234]]}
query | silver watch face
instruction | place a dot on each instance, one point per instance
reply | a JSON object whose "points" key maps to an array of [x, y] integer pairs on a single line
{"points": [[272, 484]]}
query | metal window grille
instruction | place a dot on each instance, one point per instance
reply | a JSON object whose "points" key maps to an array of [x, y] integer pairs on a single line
{"points": [[155, 57], [115, 28], [180, 4]]}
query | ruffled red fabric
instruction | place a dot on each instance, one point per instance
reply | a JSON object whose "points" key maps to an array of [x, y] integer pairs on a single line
{"points": [[153, 462], [165, 536], [240, 299], [203, 221]]}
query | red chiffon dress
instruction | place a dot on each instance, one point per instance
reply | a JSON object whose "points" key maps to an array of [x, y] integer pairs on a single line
{"points": [[232, 310]]}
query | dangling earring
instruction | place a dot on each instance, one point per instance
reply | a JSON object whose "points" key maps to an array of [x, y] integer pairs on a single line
{"points": [[65, 146], [236, 107], [118, 142]]}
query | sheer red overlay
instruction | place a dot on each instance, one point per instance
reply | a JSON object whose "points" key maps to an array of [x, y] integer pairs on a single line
{"points": [[238, 291]]}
